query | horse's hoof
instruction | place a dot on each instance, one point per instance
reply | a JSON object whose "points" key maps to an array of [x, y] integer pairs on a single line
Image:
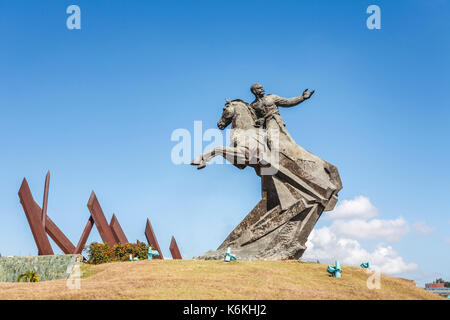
{"points": [[195, 163], [201, 165]]}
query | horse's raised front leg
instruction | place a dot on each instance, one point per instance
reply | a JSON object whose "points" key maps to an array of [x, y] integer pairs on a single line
{"points": [[229, 153], [202, 159]]}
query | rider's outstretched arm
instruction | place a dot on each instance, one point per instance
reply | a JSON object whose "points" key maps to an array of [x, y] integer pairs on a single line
{"points": [[287, 102]]}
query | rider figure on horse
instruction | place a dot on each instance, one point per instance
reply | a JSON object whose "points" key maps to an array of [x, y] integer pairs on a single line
{"points": [[266, 109], [266, 106]]}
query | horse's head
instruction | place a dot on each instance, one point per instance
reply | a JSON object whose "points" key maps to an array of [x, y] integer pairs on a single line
{"points": [[238, 112], [227, 115]]}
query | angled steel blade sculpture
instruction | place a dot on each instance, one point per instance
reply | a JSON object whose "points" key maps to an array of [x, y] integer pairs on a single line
{"points": [[48, 225], [100, 221], [41, 224], [174, 249], [151, 239], [111, 234], [58, 236], [117, 231], [45, 200], [34, 215], [84, 236]]}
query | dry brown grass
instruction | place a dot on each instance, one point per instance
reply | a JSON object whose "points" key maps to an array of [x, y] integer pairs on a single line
{"points": [[191, 279]]}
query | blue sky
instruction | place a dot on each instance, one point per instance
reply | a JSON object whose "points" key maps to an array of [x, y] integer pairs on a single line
{"points": [[97, 107]]}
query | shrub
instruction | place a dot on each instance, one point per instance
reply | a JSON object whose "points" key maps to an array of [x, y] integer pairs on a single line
{"points": [[102, 253], [29, 276]]}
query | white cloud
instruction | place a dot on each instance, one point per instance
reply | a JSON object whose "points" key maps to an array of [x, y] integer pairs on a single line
{"points": [[351, 218], [390, 230], [360, 207], [324, 245], [351, 221], [423, 228]]}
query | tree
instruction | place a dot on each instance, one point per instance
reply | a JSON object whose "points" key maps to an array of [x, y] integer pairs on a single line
{"points": [[446, 283]]}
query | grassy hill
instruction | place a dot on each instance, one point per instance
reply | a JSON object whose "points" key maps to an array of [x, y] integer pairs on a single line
{"points": [[191, 279]]}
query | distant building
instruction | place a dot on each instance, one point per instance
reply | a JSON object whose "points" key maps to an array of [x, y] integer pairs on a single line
{"points": [[437, 288]]}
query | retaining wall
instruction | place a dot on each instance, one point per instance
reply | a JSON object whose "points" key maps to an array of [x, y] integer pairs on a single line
{"points": [[52, 267]]}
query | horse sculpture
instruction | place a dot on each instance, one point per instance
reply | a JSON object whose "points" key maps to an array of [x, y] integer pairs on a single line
{"points": [[248, 143], [295, 192]]}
